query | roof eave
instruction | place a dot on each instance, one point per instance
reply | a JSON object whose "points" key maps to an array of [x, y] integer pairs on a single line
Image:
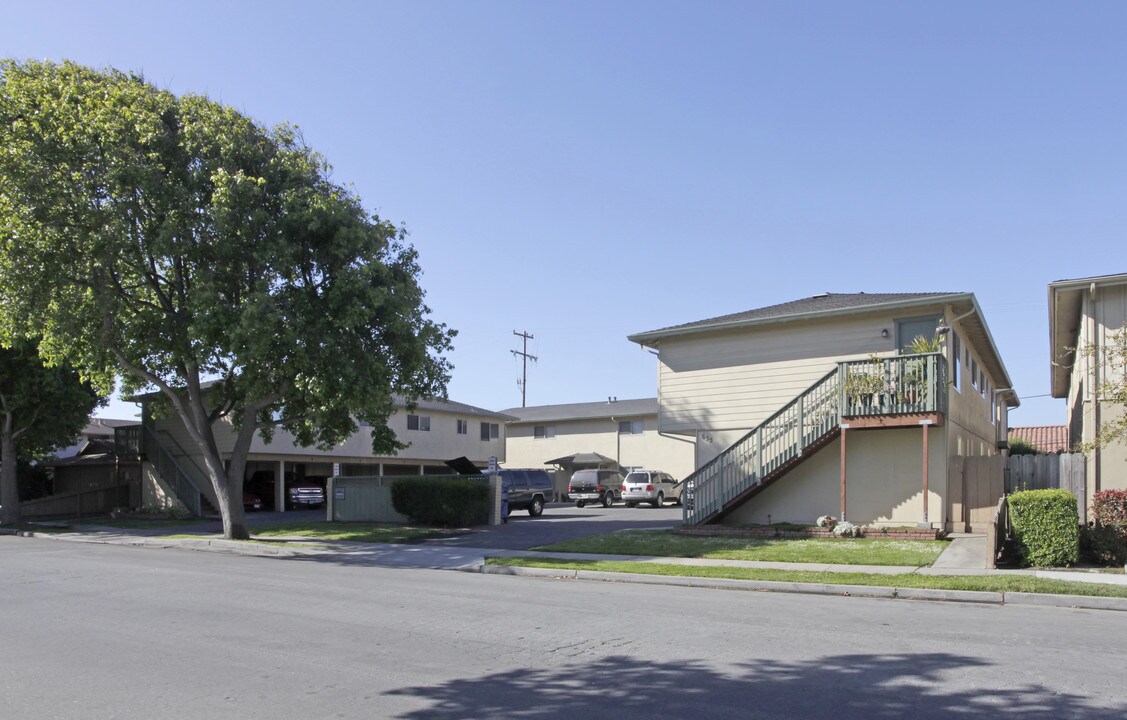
{"points": [[650, 338]]}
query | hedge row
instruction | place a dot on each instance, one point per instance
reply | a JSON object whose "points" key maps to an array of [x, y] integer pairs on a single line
{"points": [[1046, 527], [443, 501]]}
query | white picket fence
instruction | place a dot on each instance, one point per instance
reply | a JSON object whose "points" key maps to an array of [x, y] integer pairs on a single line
{"points": [[1045, 472]]}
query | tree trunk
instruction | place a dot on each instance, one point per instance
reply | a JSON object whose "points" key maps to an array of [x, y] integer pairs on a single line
{"points": [[231, 509], [9, 483]]}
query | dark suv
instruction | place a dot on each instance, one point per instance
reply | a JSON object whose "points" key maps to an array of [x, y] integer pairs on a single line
{"points": [[526, 489], [591, 486]]}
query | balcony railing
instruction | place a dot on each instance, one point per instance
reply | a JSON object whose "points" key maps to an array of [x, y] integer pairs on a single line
{"points": [[900, 385]]}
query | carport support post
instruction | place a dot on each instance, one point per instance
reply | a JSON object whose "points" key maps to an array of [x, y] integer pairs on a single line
{"points": [[280, 487], [844, 427]]}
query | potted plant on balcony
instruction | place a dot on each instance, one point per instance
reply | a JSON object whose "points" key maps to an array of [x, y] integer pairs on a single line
{"points": [[915, 369], [864, 383]]}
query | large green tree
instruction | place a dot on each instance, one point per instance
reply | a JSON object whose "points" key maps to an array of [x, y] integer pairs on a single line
{"points": [[41, 408], [180, 244]]}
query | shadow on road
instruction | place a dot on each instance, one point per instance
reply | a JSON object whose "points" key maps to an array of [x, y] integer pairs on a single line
{"points": [[839, 687]]}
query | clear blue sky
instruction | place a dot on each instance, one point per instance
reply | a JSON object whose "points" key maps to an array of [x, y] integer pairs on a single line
{"points": [[586, 170]]}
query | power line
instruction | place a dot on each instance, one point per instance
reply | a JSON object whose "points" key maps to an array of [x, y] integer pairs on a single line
{"points": [[525, 357]]}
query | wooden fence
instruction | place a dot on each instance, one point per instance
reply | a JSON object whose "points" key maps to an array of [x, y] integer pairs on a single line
{"points": [[98, 501], [1049, 472], [979, 482]]}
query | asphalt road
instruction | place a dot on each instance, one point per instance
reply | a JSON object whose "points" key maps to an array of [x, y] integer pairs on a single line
{"points": [[100, 631]]}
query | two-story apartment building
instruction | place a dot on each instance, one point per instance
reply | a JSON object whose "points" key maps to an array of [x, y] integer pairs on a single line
{"points": [[434, 430], [1085, 317], [626, 431], [830, 405]]}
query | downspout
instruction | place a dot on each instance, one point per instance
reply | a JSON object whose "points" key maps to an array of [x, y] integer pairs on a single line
{"points": [[1097, 484], [617, 441]]}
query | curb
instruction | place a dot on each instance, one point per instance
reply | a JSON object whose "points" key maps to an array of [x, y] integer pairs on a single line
{"points": [[981, 597], [234, 547]]}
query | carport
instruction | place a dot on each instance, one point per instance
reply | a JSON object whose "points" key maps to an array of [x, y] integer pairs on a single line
{"points": [[568, 464]]}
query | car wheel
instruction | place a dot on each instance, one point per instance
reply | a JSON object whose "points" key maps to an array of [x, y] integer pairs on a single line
{"points": [[677, 502], [608, 499], [536, 509], [581, 503], [631, 504], [660, 499]]}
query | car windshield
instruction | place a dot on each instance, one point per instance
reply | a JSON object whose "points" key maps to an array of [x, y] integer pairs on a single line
{"points": [[585, 476], [638, 477]]}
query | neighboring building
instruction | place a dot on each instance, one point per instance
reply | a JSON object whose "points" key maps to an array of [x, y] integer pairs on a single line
{"points": [[1046, 438], [1083, 313], [740, 387], [435, 431], [624, 430], [90, 464], [96, 429]]}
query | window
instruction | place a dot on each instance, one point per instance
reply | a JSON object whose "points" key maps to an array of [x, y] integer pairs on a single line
{"points": [[418, 422], [541, 432], [630, 427], [956, 354], [975, 381], [908, 329], [489, 431], [463, 427]]}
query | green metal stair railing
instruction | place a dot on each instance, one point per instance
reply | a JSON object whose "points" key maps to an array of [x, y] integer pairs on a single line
{"points": [[183, 485], [778, 440], [898, 385]]}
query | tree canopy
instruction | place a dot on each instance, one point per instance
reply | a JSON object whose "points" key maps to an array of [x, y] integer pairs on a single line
{"points": [[178, 243], [41, 408]]}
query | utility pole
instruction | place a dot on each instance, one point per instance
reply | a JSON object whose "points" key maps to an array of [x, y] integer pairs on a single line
{"points": [[525, 357]]}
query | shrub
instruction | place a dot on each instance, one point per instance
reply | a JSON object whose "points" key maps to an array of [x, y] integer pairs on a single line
{"points": [[1109, 507], [846, 530], [445, 501], [1104, 544], [1046, 527], [1021, 446]]}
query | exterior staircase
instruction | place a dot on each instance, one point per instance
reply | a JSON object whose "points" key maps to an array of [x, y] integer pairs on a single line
{"points": [[184, 480], [904, 385]]}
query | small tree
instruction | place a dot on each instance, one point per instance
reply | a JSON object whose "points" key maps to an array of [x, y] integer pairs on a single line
{"points": [[41, 408], [1021, 446], [180, 244], [1110, 359]]}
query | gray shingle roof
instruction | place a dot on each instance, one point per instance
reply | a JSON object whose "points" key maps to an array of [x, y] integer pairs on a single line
{"points": [[824, 304], [449, 406], [584, 411]]}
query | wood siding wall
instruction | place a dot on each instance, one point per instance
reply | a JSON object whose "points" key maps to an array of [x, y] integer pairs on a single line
{"points": [[735, 380]]}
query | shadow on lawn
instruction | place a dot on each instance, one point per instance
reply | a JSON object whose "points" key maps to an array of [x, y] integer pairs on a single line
{"points": [[839, 687]]}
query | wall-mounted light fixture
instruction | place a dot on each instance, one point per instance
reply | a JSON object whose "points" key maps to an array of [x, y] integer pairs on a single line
{"points": [[884, 332]]}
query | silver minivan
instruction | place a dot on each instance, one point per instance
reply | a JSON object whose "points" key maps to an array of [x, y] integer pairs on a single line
{"points": [[649, 486]]}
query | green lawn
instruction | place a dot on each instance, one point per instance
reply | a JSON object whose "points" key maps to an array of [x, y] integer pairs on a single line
{"points": [[356, 532], [666, 543], [995, 583]]}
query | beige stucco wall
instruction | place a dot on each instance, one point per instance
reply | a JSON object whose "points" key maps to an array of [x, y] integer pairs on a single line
{"points": [[884, 482], [1102, 315], [649, 449], [157, 495]]}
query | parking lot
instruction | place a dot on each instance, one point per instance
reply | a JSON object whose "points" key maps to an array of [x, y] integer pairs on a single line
{"points": [[563, 521], [560, 521]]}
